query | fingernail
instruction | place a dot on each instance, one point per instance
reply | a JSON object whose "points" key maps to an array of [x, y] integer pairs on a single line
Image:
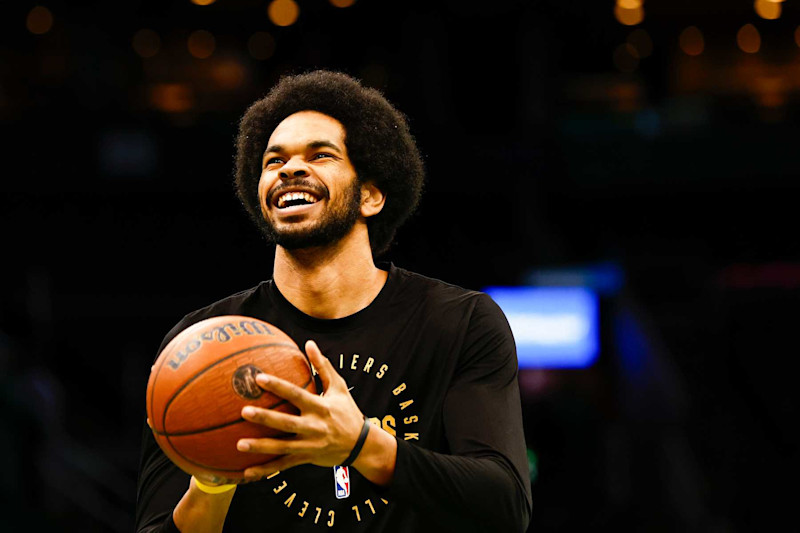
{"points": [[248, 411], [262, 378], [243, 446]]}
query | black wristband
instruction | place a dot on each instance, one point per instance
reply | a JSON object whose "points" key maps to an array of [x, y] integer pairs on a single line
{"points": [[359, 443]]}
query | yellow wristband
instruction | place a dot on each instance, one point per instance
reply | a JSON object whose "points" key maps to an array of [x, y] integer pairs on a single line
{"points": [[212, 489]]}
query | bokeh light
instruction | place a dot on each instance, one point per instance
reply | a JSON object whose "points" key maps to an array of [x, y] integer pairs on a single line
{"points": [[641, 42], [767, 9], [172, 97], [39, 20], [629, 16], [203, 2], [201, 44], [146, 43], [771, 91], [691, 41], [624, 58], [261, 45], [342, 3], [748, 39], [228, 74], [283, 12]]}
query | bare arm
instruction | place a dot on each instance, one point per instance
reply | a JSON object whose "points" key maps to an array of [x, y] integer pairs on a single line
{"points": [[200, 512]]}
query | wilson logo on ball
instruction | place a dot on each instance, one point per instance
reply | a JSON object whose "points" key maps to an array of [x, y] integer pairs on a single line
{"points": [[221, 333]]}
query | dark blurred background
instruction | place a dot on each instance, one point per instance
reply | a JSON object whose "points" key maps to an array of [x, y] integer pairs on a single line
{"points": [[659, 139]]}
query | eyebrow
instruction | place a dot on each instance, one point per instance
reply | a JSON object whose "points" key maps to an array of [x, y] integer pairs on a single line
{"points": [[277, 148]]}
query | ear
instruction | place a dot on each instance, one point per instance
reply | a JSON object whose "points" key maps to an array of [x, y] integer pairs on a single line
{"points": [[372, 200]]}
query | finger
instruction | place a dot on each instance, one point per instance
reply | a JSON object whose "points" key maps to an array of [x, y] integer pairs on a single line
{"points": [[271, 446], [295, 395], [285, 422], [325, 369], [285, 462]]}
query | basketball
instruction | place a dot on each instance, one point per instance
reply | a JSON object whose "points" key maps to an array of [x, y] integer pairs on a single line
{"points": [[201, 381]]}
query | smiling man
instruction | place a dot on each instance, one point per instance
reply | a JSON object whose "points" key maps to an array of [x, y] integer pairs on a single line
{"points": [[300, 210], [418, 427]]}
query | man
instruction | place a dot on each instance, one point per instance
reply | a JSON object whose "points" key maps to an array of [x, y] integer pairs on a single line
{"points": [[419, 377]]}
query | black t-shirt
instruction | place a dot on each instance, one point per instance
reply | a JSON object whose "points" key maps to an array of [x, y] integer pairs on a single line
{"points": [[432, 364]]}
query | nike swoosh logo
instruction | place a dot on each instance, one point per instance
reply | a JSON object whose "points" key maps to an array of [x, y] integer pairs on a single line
{"points": [[348, 390]]}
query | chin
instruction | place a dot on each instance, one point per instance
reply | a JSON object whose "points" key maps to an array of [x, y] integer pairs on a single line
{"points": [[323, 231], [304, 238]]}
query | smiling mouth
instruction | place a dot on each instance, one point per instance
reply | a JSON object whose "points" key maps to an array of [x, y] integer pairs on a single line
{"points": [[291, 199]]}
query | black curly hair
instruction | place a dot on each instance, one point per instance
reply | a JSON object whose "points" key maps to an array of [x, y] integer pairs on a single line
{"points": [[379, 143]]}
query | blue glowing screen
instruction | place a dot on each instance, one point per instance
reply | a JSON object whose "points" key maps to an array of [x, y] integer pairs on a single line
{"points": [[554, 327]]}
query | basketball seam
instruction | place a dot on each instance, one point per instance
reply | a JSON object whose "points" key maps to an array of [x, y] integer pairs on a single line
{"points": [[173, 348], [209, 367], [194, 377], [151, 391], [224, 424], [167, 436]]}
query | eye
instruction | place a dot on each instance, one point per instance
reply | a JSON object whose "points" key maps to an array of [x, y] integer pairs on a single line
{"points": [[321, 155], [273, 161]]}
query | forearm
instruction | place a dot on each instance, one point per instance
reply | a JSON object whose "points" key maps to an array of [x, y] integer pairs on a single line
{"points": [[167, 497], [200, 512], [377, 459], [467, 493]]}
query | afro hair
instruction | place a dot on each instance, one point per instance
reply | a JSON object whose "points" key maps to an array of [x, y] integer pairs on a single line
{"points": [[379, 143]]}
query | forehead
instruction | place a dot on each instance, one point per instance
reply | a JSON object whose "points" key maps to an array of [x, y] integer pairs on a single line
{"points": [[306, 126]]}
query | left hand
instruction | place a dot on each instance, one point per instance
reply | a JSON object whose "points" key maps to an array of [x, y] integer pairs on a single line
{"points": [[325, 430]]}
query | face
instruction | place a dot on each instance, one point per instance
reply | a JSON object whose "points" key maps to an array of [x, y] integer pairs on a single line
{"points": [[308, 190]]}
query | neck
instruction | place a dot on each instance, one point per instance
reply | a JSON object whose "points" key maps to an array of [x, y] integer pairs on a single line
{"points": [[332, 281]]}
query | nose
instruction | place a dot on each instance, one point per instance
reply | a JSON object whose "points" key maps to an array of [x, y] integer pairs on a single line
{"points": [[292, 170]]}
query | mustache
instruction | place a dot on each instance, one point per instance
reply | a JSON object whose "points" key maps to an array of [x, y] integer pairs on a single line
{"points": [[320, 191]]}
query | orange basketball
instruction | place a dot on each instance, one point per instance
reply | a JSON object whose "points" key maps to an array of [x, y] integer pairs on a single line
{"points": [[201, 381]]}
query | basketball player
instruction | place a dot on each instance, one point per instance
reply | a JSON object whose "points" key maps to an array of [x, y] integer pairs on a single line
{"points": [[419, 427]]}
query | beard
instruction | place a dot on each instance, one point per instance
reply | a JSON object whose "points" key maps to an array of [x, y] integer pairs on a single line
{"points": [[335, 223]]}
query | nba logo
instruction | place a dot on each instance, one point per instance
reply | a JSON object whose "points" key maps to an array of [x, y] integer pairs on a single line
{"points": [[341, 477]]}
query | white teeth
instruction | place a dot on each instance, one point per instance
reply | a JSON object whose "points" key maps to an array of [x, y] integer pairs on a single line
{"points": [[292, 196]]}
